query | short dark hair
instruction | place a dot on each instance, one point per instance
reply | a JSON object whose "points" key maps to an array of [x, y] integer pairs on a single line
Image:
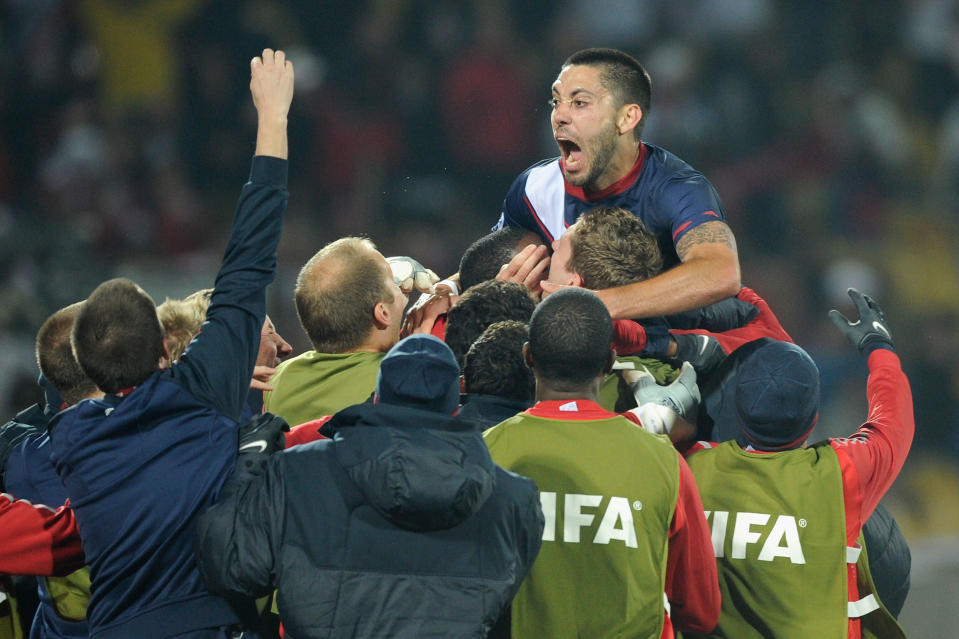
{"points": [[117, 336], [484, 257], [622, 75], [569, 338], [609, 246], [494, 364], [336, 292], [56, 359], [482, 305]]}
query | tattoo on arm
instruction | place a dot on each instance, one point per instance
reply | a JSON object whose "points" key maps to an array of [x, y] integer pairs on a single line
{"points": [[708, 233]]}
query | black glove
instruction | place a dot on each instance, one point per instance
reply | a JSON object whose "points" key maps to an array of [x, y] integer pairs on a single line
{"points": [[12, 435], [259, 439], [702, 351], [870, 331], [264, 434]]}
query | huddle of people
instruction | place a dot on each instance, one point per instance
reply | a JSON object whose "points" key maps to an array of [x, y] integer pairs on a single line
{"points": [[592, 430]]}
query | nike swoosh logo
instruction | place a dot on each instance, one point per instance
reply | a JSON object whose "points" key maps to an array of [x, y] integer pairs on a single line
{"points": [[258, 446], [702, 349], [882, 329]]}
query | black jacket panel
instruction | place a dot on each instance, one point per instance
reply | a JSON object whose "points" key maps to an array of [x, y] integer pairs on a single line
{"points": [[399, 526]]}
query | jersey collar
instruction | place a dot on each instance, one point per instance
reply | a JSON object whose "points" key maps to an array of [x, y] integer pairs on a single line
{"points": [[570, 409], [613, 189]]}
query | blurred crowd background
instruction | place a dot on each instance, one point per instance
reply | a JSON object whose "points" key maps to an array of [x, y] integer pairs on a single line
{"points": [[831, 131]]}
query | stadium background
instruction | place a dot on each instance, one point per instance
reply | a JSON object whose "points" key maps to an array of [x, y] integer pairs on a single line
{"points": [[831, 131]]}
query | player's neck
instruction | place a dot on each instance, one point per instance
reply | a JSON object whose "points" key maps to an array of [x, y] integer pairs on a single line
{"points": [[547, 392], [620, 165]]}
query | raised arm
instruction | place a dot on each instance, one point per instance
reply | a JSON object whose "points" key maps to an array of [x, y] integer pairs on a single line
{"points": [[219, 365], [878, 449]]}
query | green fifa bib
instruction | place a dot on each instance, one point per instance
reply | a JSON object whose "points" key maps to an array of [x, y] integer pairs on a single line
{"points": [[608, 490], [616, 395], [70, 594], [9, 612], [779, 536], [313, 385]]}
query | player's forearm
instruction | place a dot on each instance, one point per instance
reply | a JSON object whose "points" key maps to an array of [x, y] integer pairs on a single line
{"points": [[38, 540], [692, 284], [881, 444], [271, 138]]}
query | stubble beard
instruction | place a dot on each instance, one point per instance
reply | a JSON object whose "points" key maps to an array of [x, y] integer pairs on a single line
{"points": [[604, 148]]}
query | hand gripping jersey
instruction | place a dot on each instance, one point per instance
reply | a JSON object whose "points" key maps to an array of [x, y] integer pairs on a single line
{"points": [[616, 395], [668, 195]]}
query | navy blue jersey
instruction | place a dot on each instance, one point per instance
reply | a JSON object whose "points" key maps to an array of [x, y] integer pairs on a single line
{"points": [[668, 195], [139, 469]]}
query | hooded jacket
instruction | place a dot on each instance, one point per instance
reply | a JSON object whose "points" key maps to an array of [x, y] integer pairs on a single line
{"points": [[399, 526]]}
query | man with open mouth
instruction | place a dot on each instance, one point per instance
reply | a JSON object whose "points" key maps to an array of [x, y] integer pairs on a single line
{"points": [[600, 101]]}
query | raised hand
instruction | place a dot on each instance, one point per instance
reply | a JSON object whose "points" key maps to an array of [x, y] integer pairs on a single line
{"points": [[870, 331], [271, 84]]}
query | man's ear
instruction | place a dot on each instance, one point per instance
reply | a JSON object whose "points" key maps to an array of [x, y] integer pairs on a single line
{"points": [[165, 360], [382, 316], [628, 118], [527, 355], [575, 279]]}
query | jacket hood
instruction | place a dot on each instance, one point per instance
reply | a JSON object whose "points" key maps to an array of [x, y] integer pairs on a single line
{"points": [[419, 469]]}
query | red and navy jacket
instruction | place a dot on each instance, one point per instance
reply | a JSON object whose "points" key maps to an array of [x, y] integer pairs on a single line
{"points": [[38, 540], [139, 469], [30, 475], [668, 195]]}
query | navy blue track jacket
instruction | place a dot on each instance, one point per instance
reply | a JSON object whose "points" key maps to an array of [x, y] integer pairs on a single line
{"points": [[140, 468]]}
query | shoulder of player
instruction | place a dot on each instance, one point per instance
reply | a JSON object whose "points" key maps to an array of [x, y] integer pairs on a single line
{"points": [[549, 164], [663, 170], [553, 161]]}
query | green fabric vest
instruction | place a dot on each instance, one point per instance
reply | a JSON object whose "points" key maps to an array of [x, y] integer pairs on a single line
{"points": [[615, 394], [70, 594], [9, 613], [313, 384], [779, 535], [608, 490]]}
